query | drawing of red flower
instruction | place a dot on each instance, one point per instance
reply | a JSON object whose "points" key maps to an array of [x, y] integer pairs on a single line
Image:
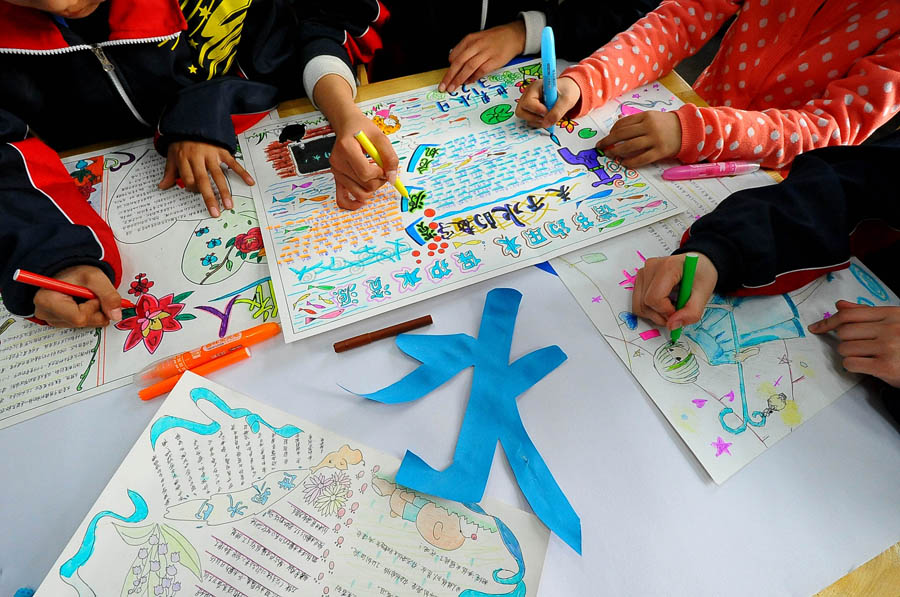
{"points": [[141, 285], [151, 318], [249, 242]]}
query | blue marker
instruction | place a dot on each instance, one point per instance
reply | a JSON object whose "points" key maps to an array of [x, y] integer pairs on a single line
{"points": [[548, 61]]}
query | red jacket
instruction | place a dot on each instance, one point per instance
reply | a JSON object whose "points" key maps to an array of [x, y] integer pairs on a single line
{"points": [[789, 76]]}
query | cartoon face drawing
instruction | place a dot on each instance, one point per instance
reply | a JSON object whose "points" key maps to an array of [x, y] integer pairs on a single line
{"points": [[676, 363]]}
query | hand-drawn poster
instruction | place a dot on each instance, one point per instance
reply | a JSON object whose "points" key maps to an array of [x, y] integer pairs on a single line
{"points": [[193, 279], [223, 495], [743, 377], [488, 195]]}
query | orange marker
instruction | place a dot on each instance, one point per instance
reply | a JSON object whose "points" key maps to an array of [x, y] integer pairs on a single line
{"points": [[166, 385], [33, 279], [166, 368]]}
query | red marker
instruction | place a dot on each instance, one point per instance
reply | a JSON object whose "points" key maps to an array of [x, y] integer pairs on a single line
{"points": [[33, 279]]}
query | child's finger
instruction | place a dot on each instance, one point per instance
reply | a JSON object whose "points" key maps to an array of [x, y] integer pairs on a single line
{"points": [[352, 186], [218, 176], [187, 174], [389, 160], [109, 300], [235, 165], [642, 159], [356, 162], [858, 331], [91, 314], [455, 62], [470, 67], [863, 365], [630, 148], [460, 66], [846, 316], [201, 178], [859, 348], [345, 200], [530, 104], [666, 276], [170, 174]]}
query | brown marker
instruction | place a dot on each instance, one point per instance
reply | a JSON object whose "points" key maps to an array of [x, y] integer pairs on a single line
{"points": [[387, 332]]}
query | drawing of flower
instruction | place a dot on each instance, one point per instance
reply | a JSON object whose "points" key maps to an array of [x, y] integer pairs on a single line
{"points": [[341, 479], [249, 242], [151, 318], [201, 231], [209, 259], [314, 487], [524, 83], [141, 285], [568, 124], [332, 499], [213, 243]]}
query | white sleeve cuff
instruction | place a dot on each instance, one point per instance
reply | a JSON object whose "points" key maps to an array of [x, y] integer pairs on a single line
{"points": [[535, 21], [323, 65]]}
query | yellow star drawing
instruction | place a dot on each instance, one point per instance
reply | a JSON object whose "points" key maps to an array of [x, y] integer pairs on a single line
{"points": [[204, 12], [193, 43], [192, 69]]}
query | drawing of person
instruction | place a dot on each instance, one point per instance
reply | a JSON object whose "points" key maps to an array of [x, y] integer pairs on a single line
{"points": [[438, 526]]}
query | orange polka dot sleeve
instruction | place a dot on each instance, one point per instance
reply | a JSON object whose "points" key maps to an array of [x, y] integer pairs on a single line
{"points": [[648, 49], [848, 112]]}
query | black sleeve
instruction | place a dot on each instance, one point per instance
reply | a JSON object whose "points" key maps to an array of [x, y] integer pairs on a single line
{"points": [[203, 111], [774, 239], [589, 24], [46, 224]]}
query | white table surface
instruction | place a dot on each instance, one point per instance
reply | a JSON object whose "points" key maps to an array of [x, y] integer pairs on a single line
{"points": [[817, 504]]}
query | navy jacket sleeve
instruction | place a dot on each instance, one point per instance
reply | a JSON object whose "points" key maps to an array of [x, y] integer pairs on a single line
{"points": [[774, 239], [46, 224], [204, 111]]}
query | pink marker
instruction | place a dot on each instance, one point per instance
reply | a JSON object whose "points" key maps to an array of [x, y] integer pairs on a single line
{"points": [[712, 170]]}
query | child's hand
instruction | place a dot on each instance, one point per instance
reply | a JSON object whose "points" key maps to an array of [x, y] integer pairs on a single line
{"points": [[355, 177], [61, 311], [532, 111], [194, 162], [644, 138], [870, 339], [482, 52], [656, 281]]}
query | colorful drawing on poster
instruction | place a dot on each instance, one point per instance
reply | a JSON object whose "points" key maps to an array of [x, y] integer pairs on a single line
{"points": [[69, 571], [218, 247], [477, 178], [151, 318], [252, 420], [88, 176], [162, 552], [496, 385]]}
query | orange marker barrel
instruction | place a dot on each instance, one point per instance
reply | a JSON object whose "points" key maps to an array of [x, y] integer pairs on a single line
{"points": [[180, 363], [166, 385]]}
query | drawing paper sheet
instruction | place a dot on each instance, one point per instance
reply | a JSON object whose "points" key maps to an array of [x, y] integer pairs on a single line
{"points": [[749, 372], [195, 279], [222, 494], [488, 195]]}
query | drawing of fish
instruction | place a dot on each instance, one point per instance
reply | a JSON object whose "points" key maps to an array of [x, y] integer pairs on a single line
{"points": [[285, 200], [641, 208], [305, 185], [457, 245], [629, 198], [329, 315], [459, 119]]}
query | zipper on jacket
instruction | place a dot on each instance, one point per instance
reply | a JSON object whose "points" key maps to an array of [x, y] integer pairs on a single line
{"points": [[110, 70]]}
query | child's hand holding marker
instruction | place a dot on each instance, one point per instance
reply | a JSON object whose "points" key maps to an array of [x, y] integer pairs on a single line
{"points": [[655, 283], [532, 110], [62, 311], [195, 162], [482, 52]]}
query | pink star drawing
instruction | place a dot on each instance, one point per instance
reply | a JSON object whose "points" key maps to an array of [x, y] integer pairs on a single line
{"points": [[597, 299], [636, 95], [628, 282], [721, 447]]}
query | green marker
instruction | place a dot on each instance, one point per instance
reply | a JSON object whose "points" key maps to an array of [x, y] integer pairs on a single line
{"points": [[684, 291]]}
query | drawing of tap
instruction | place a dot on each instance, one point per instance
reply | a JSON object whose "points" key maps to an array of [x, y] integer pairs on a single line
{"points": [[204, 511]]}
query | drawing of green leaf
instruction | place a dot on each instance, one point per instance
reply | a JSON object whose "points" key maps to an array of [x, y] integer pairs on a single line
{"points": [[259, 259], [179, 298], [229, 264], [254, 255], [616, 223], [250, 222], [185, 317], [225, 225], [134, 535], [189, 558], [230, 242], [129, 312], [241, 254]]}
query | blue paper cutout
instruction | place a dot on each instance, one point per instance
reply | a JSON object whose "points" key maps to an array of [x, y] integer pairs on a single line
{"points": [[491, 415], [545, 265]]}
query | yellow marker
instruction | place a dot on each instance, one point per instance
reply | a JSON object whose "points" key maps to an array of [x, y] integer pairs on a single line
{"points": [[373, 153]]}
